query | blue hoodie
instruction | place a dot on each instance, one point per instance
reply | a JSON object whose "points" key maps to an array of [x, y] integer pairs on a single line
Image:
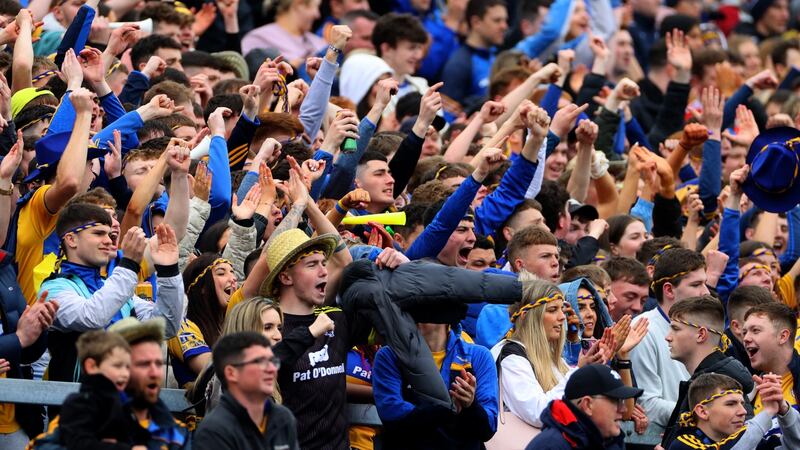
{"points": [[570, 290], [552, 36], [409, 421]]}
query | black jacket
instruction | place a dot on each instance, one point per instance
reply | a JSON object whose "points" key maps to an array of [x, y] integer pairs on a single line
{"points": [[93, 414], [394, 301], [582, 253], [658, 113], [565, 427], [716, 362], [12, 304], [228, 426]]}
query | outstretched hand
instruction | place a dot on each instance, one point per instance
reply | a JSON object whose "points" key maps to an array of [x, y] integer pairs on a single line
{"points": [[164, 249]]}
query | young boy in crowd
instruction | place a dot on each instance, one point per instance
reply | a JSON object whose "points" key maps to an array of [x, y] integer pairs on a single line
{"points": [[716, 419], [94, 417]]}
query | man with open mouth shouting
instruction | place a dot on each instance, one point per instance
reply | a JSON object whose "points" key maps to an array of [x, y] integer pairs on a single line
{"points": [[769, 332], [300, 272]]}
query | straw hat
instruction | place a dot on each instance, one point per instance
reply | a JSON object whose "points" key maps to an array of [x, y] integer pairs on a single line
{"points": [[133, 331], [286, 247]]}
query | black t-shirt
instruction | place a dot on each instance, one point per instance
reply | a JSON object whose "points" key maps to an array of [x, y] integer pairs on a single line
{"points": [[314, 387]]}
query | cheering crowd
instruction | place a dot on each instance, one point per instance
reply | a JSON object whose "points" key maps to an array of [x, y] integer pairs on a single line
{"points": [[506, 224]]}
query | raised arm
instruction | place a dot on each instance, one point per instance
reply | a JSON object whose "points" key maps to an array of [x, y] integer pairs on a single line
{"points": [[578, 184], [694, 134], [457, 150], [8, 166], [709, 183], [219, 164], [547, 74], [143, 195], [22, 66], [164, 252], [405, 159], [297, 193], [355, 199], [316, 102], [177, 214], [72, 166], [435, 235]]}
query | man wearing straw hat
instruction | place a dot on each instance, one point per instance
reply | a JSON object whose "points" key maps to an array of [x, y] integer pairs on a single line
{"points": [[313, 387], [300, 269]]}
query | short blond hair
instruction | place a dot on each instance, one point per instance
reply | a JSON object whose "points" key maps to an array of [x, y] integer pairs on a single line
{"points": [[99, 344]]}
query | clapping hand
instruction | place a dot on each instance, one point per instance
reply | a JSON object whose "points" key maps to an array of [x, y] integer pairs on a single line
{"points": [[711, 116], [747, 129], [10, 162], [737, 179], [246, 209], [295, 189], [769, 389], [113, 160], [133, 244], [164, 249]]}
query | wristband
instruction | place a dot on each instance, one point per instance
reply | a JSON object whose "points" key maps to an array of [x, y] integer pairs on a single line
{"points": [[340, 208], [621, 364], [334, 49], [7, 192], [600, 165], [171, 270]]}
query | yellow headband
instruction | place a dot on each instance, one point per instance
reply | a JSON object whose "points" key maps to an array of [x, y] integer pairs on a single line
{"points": [[209, 267], [754, 268], [439, 172], [763, 251], [80, 228], [524, 309], [668, 278], [657, 255], [687, 419], [724, 341], [303, 255]]}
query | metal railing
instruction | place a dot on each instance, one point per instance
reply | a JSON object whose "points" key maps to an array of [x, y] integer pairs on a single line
{"points": [[53, 393]]}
